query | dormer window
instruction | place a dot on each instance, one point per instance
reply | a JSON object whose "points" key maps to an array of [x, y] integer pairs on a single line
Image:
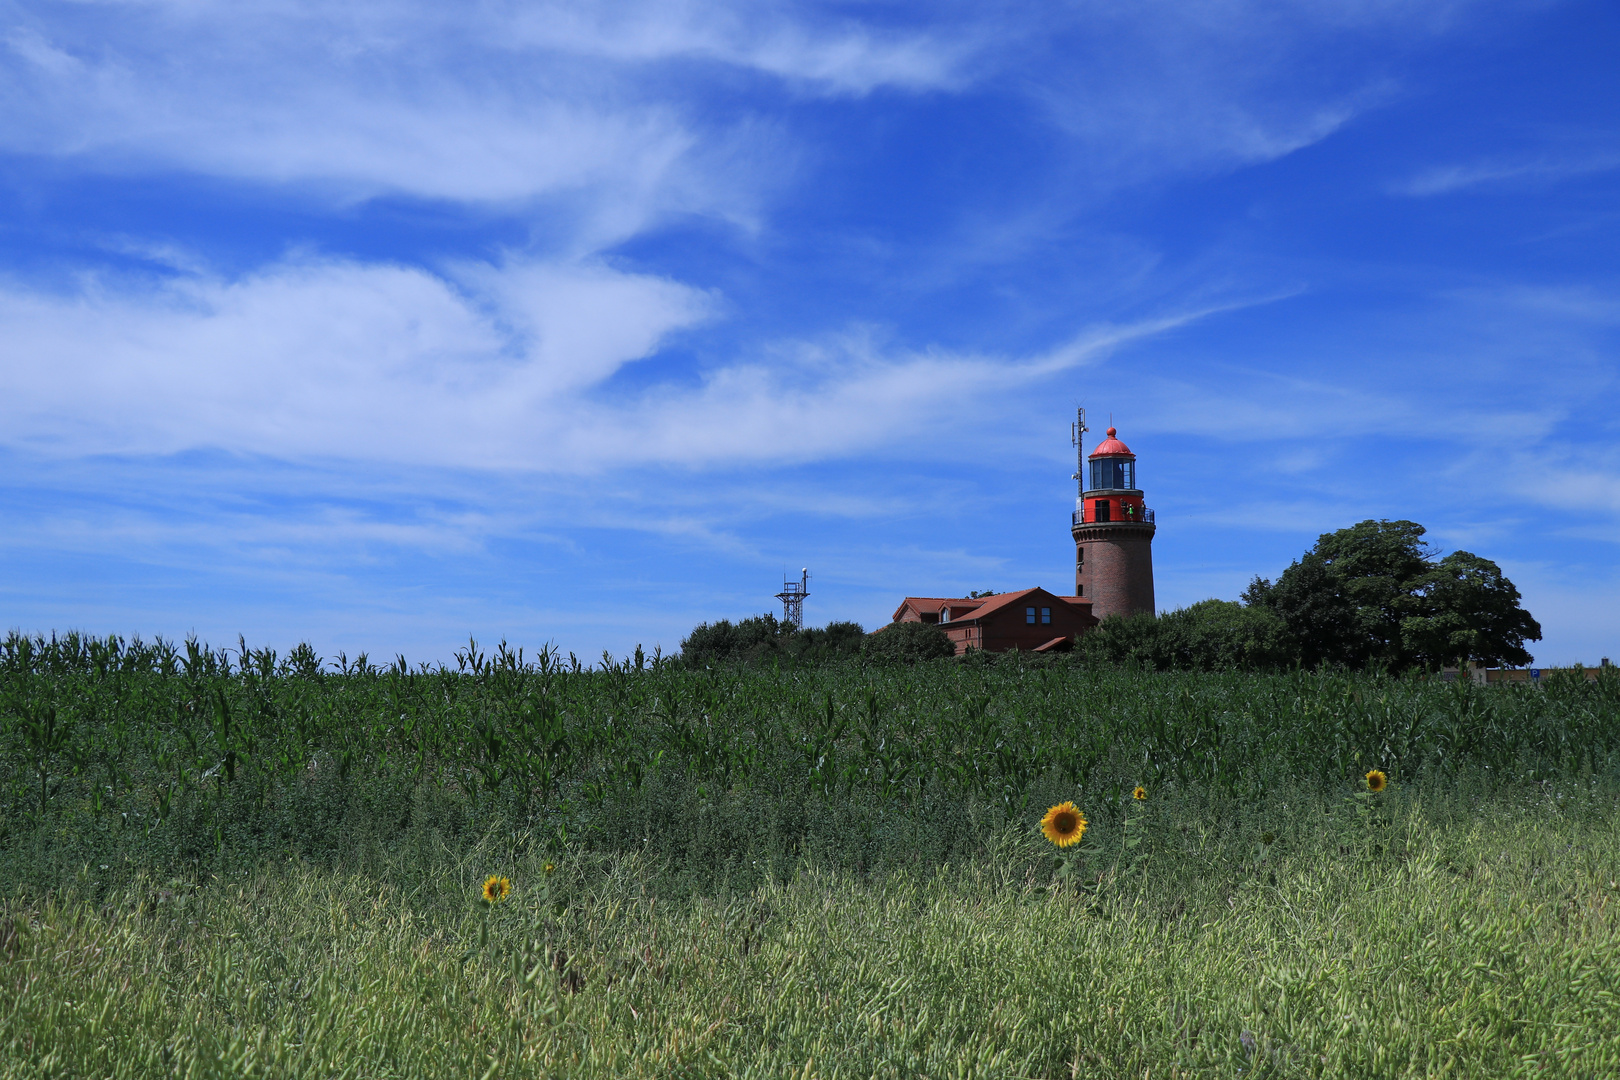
{"points": [[944, 614]]}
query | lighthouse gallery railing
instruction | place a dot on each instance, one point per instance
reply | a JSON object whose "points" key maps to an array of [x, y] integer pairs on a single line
{"points": [[1142, 516]]}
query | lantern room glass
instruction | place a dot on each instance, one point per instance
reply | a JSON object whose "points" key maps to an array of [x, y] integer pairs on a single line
{"points": [[1113, 474]]}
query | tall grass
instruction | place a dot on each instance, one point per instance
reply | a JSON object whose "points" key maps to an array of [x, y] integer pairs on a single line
{"points": [[194, 759], [1484, 947]]}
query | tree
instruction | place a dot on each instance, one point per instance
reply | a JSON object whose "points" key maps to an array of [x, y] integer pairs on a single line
{"points": [[836, 640], [1374, 593], [1211, 635], [1467, 611], [747, 639], [1311, 602], [765, 637], [909, 642]]}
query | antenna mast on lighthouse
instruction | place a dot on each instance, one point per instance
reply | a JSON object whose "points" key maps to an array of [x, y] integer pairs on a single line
{"points": [[1077, 435]]}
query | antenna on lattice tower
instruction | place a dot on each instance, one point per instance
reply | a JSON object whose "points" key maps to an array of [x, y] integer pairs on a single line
{"points": [[792, 597], [1077, 435]]}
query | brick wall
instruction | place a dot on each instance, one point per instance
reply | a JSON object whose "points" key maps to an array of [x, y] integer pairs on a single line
{"points": [[1116, 574]]}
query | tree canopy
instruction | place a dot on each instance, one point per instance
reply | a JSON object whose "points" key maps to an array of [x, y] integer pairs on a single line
{"points": [[765, 637], [1211, 635], [1375, 593]]}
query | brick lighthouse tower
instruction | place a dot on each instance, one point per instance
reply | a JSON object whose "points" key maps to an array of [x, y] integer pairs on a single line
{"points": [[1113, 530]]}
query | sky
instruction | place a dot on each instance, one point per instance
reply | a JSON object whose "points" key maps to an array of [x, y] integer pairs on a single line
{"points": [[383, 325]]}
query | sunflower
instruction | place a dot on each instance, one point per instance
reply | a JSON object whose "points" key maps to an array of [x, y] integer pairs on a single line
{"points": [[1140, 794], [495, 889], [1064, 824], [1376, 781]]}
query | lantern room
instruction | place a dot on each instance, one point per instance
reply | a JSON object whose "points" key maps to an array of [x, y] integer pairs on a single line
{"points": [[1112, 494], [1112, 474]]}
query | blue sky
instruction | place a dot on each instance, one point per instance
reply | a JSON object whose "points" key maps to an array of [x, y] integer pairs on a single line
{"points": [[384, 324]]}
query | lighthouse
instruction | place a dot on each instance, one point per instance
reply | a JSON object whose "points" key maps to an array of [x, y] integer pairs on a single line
{"points": [[1113, 531]]}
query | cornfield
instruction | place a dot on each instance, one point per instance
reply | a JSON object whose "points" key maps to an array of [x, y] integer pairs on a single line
{"points": [[185, 755]]}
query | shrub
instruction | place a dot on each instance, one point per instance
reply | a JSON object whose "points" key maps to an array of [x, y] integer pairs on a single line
{"points": [[909, 642], [765, 637], [1212, 635], [723, 641]]}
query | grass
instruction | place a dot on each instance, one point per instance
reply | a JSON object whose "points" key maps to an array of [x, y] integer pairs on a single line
{"points": [[260, 867], [1479, 942]]}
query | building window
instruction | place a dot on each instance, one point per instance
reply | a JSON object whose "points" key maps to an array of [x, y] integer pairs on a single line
{"points": [[1079, 590], [1102, 511], [944, 614], [1029, 616], [1046, 616]]}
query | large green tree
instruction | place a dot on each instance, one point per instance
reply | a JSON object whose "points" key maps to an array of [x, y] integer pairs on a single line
{"points": [[1464, 609], [1376, 594]]}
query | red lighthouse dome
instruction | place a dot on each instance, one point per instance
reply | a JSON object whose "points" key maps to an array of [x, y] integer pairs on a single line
{"points": [[1111, 446]]}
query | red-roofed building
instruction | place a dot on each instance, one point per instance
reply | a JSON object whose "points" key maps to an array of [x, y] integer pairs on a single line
{"points": [[1032, 620]]}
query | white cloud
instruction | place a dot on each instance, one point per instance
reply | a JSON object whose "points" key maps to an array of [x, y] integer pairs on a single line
{"points": [[840, 56], [437, 135], [326, 358], [1573, 304], [497, 103], [1445, 179], [488, 366], [1210, 85], [612, 104]]}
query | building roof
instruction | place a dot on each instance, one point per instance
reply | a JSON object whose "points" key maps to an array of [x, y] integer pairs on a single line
{"points": [[982, 606], [1112, 447], [921, 604], [993, 604]]}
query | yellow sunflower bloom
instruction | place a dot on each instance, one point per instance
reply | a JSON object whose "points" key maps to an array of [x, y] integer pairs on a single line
{"points": [[495, 889], [1376, 781], [1064, 824], [1140, 794]]}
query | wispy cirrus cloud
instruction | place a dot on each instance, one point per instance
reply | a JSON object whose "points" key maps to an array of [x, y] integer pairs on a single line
{"points": [[506, 102], [500, 102], [1446, 179], [818, 51], [482, 365]]}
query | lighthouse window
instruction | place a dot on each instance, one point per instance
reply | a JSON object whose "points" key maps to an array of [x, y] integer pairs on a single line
{"points": [[1102, 510]]}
